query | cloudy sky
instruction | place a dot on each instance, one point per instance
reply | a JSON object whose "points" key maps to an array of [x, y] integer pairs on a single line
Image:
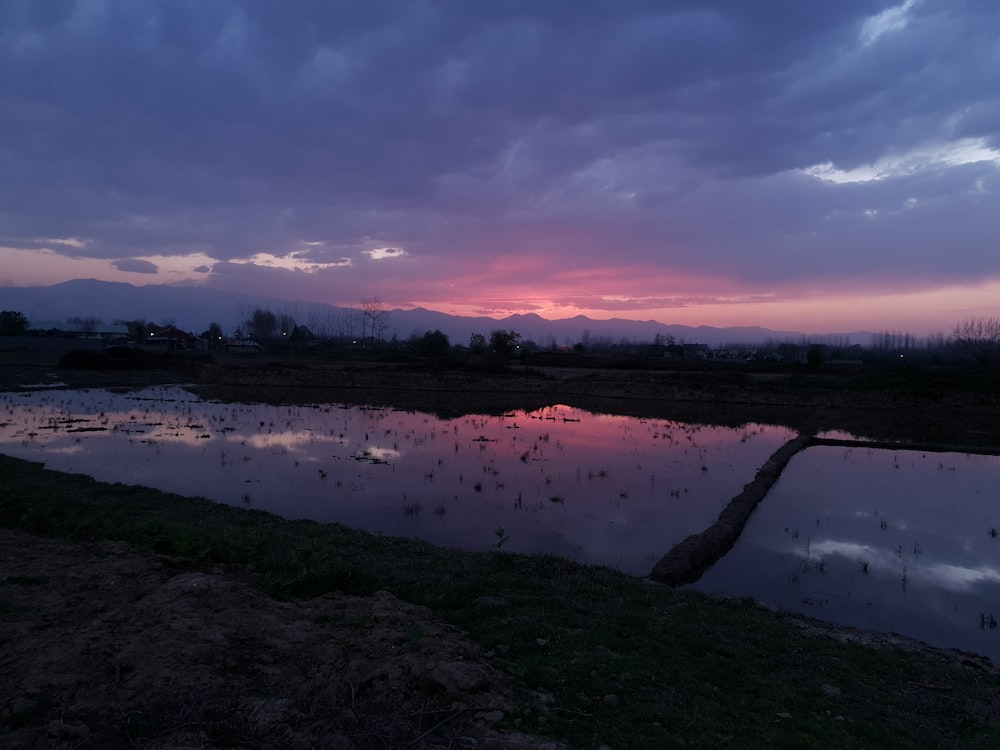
{"points": [[799, 164]]}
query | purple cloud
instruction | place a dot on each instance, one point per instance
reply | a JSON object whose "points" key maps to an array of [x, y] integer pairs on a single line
{"points": [[757, 146]]}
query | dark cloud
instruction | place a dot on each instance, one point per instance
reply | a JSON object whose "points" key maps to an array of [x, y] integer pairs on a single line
{"points": [[671, 134], [134, 265]]}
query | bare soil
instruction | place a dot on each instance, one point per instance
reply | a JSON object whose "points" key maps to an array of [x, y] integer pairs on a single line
{"points": [[104, 647]]}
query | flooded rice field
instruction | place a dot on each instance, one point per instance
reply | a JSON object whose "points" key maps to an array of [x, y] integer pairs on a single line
{"points": [[891, 540], [597, 488]]}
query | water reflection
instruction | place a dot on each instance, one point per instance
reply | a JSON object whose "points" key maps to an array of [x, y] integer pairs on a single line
{"points": [[900, 541], [603, 489]]}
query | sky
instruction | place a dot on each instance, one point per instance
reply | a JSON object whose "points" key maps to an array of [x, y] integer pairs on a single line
{"points": [[796, 164]]}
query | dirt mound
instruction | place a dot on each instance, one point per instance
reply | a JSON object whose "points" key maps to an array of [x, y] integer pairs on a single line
{"points": [[104, 647]]}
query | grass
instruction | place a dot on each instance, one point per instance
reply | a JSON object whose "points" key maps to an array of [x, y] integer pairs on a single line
{"points": [[629, 663]]}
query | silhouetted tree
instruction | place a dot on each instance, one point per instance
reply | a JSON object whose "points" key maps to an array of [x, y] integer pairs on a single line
{"points": [[263, 324], [301, 335], [978, 337], [286, 325], [660, 344], [373, 321], [477, 343], [136, 328], [504, 343], [433, 343], [213, 333], [87, 325], [789, 352], [816, 355], [13, 323]]}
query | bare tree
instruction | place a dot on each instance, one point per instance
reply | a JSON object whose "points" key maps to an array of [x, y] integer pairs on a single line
{"points": [[86, 325], [978, 337], [316, 324], [349, 325], [286, 324], [374, 319]]}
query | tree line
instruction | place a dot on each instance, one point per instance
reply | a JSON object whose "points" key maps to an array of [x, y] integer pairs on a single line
{"points": [[363, 327], [367, 327]]}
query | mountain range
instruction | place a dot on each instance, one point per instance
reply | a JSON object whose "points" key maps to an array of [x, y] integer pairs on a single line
{"points": [[193, 308]]}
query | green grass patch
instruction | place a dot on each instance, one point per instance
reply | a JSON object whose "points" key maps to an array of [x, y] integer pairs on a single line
{"points": [[629, 663]]}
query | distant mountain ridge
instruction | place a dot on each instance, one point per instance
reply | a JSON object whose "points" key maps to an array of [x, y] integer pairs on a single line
{"points": [[194, 308]]}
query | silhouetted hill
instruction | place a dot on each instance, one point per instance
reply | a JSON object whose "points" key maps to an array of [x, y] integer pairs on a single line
{"points": [[193, 308]]}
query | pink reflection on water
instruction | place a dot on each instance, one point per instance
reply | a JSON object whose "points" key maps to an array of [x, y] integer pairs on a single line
{"points": [[603, 489]]}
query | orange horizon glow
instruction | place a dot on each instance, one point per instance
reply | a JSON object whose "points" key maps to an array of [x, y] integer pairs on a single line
{"points": [[511, 286]]}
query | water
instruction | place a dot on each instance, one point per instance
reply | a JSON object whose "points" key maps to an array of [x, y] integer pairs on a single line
{"points": [[899, 541], [598, 488], [896, 541]]}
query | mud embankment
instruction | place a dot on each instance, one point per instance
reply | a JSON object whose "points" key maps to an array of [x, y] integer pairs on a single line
{"points": [[688, 560]]}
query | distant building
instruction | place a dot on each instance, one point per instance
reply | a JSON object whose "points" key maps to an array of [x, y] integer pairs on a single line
{"points": [[169, 339]]}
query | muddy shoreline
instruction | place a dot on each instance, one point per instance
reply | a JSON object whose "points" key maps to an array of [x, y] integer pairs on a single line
{"points": [[962, 420], [961, 410]]}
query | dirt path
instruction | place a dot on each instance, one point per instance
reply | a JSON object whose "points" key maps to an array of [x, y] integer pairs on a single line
{"points": [[688, 560], [103, 647]]}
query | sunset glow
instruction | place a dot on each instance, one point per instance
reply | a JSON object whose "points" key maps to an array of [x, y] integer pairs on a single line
{"points": [[825, 171]]}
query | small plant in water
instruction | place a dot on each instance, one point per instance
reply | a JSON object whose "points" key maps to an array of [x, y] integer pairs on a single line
{"points": [[864, 566], [502, 538], [993, 533]]}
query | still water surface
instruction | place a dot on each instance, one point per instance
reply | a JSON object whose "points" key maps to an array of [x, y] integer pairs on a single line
{"points": [[897, 541], [597, 488]]}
